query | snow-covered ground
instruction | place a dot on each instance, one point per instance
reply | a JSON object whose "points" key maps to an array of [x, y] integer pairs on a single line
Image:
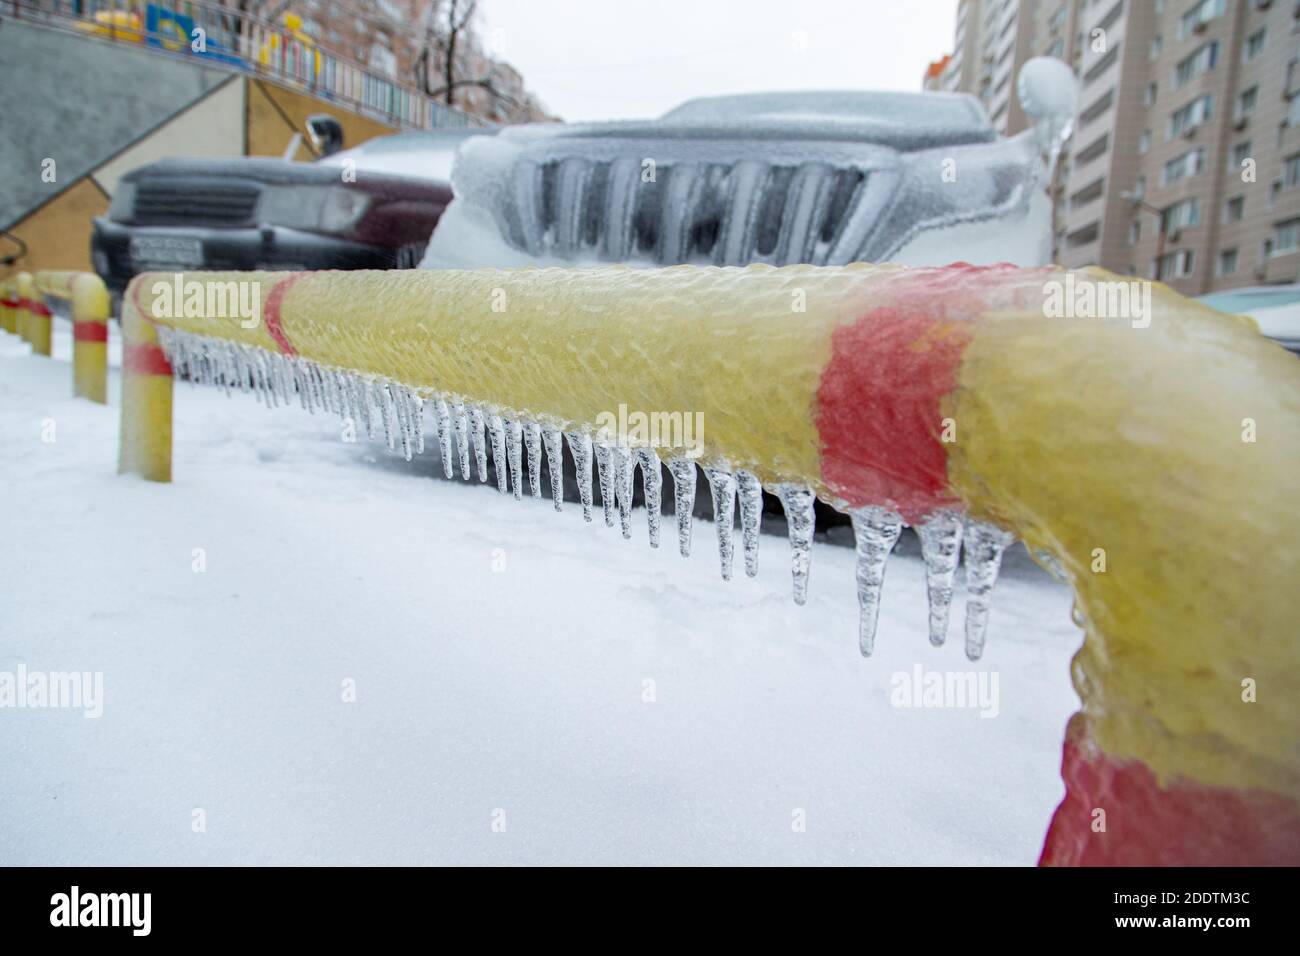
{"points": [[605, 702]]}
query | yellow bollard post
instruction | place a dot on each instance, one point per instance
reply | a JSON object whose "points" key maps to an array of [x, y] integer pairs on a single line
{"points": [[8, 306], [20, 308], [36, 317], [90, 307], [145, 435]]}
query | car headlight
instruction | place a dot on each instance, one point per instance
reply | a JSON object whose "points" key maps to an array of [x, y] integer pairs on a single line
{"points": [[342, 209], [312, 208], [122, 208]]}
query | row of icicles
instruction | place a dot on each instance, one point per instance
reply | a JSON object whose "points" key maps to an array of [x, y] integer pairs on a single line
{"points": [[277, 378]]}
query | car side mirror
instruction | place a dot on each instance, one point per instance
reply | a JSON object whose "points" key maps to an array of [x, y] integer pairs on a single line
{"points": [[326, 133]]}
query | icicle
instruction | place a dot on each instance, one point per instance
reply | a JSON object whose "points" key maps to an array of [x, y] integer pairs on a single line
{"points": [[514, 452], [652, 481], [683, 470], [533, 445], [580, 449], [462, 437], [876, 530], [554, 445], [497, 429], [624, 482], [417, 418], [941, 548], [751, 517], [444, 435], [605, 471], [722, 485], [801, 519], [402, 417], [480, 442], [984, 546], [364, 396], [380, 395]]}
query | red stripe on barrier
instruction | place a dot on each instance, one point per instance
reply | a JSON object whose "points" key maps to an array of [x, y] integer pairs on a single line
{"points": [[34, 308], [89, 331], [10, 303], [145, 358], [1149, 822], [271, 312]]}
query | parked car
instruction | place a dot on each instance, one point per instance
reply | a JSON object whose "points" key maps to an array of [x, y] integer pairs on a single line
{"points": [[370, 207], [1275, 308], [791, 177]]}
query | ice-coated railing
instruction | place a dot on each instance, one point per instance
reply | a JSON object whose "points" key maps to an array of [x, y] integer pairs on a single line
{"points": [[25, 311], [1147, 453]]}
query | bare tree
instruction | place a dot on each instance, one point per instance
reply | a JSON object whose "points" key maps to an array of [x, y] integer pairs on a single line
{"points": [[448, 35]]}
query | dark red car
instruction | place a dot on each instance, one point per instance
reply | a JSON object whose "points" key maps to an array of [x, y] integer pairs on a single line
{"points": [[370, 207]]}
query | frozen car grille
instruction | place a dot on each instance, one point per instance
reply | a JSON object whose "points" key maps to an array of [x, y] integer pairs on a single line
{"points": [[181, 201], [725, 213]]}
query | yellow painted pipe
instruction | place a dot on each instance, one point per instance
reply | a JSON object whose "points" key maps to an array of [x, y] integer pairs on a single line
{"points": [[9, 306], [20, 309], [145, 435], [36, 316], [1152, 454], [89, 299]]}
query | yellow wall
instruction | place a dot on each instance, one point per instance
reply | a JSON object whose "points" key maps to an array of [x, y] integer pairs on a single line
{"points": [[270, 129], [58, 233]]}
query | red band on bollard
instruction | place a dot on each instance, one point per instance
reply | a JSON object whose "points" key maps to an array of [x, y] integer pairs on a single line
{"points": [[87, 331], [145, 358], [34, 308], [10, 303]]}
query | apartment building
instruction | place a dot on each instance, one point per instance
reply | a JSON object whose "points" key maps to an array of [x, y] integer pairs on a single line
{"points": [[1185, 159]]}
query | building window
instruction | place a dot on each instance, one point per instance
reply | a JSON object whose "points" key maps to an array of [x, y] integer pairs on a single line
{"points": [[1157, 42], [1180, 167], [1286, 237], [1144, 141], [1149, 97], [1134, 231], [1191, 116], [1198, 64], [1140, 187], [1089, 193], [1234, 209], [1093, 150], [1083, 236], [1291, 172], [1293, 111], [1227, 263], [1175, 265], [1181, 215], [1240, 153], [1199, 15], [1255, 44], [1246, 101]]}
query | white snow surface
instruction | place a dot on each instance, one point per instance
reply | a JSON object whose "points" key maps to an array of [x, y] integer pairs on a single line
{"points": [[516, 689]]}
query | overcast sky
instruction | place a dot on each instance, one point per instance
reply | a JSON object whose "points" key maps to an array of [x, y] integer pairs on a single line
{"points": [[608, 59]]}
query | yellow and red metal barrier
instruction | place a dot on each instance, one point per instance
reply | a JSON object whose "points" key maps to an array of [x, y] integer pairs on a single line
{"points": [[1154, 460], [24, 312], [9, 305], [89, 307]]}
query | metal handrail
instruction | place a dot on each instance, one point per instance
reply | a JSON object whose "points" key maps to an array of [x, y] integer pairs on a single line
{"points": [[239, 41]]}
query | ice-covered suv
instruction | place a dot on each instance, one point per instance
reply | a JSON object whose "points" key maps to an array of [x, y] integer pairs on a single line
{"points": [[823, 178]]}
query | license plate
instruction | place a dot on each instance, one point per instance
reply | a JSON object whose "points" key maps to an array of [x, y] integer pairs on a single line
{"points": [[166, 252]]}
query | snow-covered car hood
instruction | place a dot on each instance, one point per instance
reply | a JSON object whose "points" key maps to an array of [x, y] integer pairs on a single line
{"points": [[823, 178]]}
